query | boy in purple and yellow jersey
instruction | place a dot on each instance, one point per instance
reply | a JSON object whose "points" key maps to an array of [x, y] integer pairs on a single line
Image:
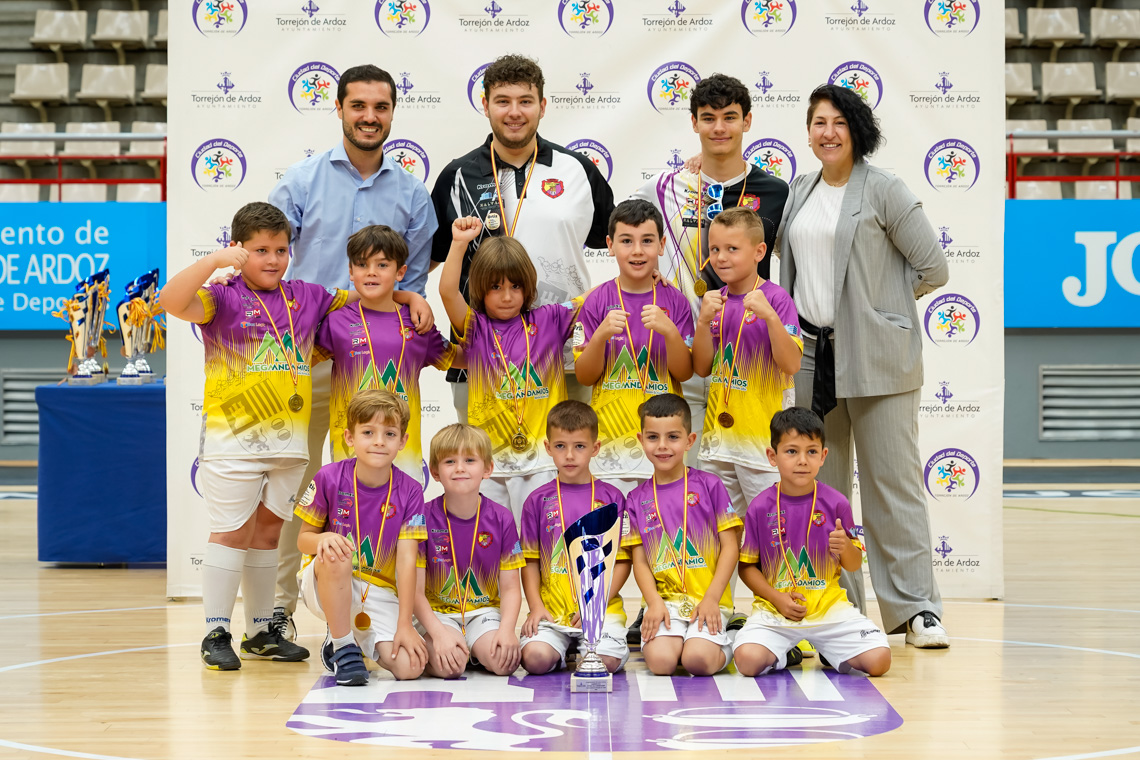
{"points": [[363, 520], [684, 543], [258, 333], [631, 341], [468, 594], [553, 622], [748, 338], [374, 345]]}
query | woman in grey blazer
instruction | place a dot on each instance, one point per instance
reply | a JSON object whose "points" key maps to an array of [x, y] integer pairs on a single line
{"points": [[856, 250]]}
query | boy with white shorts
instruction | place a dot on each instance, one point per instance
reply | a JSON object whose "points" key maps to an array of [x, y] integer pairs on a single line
{"points": [[363, 521], [468, 593], [684, 542], [553, 623], [258, 332], [795, 542]]}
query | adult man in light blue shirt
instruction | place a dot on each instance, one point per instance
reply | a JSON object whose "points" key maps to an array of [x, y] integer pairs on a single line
{"points": [[331, 195], [328, 197]]}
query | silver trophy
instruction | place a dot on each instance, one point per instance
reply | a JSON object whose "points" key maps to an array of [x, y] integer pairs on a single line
{"points": [[592, 545], [139, 327], [84, 313]]}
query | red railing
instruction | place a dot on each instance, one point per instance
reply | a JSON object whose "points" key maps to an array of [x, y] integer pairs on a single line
{"points": [[1012, 176], [60, 159]]}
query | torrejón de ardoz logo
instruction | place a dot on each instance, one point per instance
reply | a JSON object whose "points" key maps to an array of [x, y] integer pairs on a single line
{"points": [[671, 85], [490, 16], [774, 157], [598, 154], [772, 18], [585, 18], [219, 18], [402, 18], [218, 164]]}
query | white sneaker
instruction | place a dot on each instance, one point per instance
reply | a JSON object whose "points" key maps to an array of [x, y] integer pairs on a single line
{"points": [[925, 631]]}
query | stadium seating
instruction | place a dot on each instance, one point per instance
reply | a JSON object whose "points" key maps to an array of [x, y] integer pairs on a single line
{"points": [[146, 147], [60, 30], [1052, 27], [1132, 144], [38, 84], [1114, 27], [1071, 83], [1013, 35], [106, 86], [154, 91], [19, 193], [1027, 144], [1078, 145], [160, 35], [1102, 190], [1122, 83], [97, 148], [1019, 82], [138, 193], [79, 193], [45, 148], [1039, 191], [121, 30]]}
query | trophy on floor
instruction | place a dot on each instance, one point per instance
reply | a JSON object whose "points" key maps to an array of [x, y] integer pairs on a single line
{"points": [[139, 326], [84, 313], [592, 544]]}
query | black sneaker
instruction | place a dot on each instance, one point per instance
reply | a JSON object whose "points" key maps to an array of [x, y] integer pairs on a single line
{"points": [[823, 661], [736, 621], [633, 635], [218, 650], [327, 653], [348, 664], [267, 645], [795, 657], [282, 624]]}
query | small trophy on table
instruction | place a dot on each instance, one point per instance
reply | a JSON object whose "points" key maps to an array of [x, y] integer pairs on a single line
{"points": [[84, 314], [592, 544], [140, 328]]}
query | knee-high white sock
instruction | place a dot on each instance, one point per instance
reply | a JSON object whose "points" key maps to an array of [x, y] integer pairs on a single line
{"points": [[258, 582], [221, 576]]}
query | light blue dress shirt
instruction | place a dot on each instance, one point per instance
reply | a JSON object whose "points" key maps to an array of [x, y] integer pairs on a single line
{"points": [[326, 201]]}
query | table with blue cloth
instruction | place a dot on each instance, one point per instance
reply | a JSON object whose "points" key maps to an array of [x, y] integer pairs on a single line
{"points": [[102, 473]]}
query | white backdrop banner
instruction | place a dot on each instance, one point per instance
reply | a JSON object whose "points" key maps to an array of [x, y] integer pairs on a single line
{"points": [[252, 87]]}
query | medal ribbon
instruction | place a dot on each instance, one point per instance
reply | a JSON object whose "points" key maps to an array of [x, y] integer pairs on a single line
{"points": [[462, 579], [510, 231], [507, 369], [735, 349], [678, 565], [379, 535], [368, 337], [293, 369], [629, 336], [562, 522], [704, 260], [780, 531]]}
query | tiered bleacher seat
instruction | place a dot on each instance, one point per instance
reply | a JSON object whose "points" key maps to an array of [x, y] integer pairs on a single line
{"points": [[160, 34], [1077, 145], [19, 193], [1132, 144], [121, 30], [154, 91], [1071, 83], [40, 83], [1038, 191], [1052, 27], [60, 30], [1013, 35], [1019, 82], [1114, 27], [146, 147], [106, 86], [138, 193], [1027, 144], [1102, 190], [11, 147], [1122, 84], [80, 193], [97, 148]]}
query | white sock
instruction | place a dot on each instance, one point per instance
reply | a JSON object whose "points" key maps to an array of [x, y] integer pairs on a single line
{"points": [[258, 584], [221, 576], [343, 641]]}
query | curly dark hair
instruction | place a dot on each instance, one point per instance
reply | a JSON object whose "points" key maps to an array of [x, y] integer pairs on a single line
{"points": [[513, 69], [866, 135], [720, 91]]}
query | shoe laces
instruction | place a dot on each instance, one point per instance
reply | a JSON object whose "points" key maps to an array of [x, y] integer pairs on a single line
{"points": [[279, 625], [930, 620], [222, 638]]}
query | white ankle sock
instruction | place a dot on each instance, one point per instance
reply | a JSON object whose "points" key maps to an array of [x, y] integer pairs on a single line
{"points": [[343, 641], [221, 576], [258, 583]]}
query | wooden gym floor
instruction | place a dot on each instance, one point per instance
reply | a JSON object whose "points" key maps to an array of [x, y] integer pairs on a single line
{"points": [[95, 663]]}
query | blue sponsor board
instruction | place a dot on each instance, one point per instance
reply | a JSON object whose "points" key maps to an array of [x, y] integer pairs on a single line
{"points": [[1072, 263], [47, 248]]}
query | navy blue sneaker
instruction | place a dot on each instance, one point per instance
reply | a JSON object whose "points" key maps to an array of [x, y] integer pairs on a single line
{"points": [[348, 664], [326, 654]]}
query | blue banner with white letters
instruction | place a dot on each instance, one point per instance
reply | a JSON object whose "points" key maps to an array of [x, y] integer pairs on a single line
{"points": [[47, 248], [1072, 263]]}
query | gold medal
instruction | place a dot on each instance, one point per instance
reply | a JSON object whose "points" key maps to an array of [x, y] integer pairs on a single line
{"points": [[686, 608], [492, 222], [725, 419], [296, 403], [519, 442], [362, 621], [700, 287]]}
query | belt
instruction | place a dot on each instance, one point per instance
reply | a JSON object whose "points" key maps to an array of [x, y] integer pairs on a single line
{"points": [[823, 379]]}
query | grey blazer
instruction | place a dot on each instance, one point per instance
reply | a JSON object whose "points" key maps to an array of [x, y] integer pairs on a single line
{"points": [[886, 256]]}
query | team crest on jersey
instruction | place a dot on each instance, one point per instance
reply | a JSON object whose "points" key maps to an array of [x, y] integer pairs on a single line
{"points": [[749, 316], [553, 187], [485, 539], [532, 329], [818, 518], [408, 334], [692, 499], [750, 202], [391, 510]]}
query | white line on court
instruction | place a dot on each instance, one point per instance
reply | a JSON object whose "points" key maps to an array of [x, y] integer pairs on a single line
{"points": [[91, 612], [816, 686], [1000, 603]]}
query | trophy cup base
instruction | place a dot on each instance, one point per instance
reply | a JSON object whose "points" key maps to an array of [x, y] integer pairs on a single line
{"points": [[599, 683], [90, 380], [133, 380]]}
